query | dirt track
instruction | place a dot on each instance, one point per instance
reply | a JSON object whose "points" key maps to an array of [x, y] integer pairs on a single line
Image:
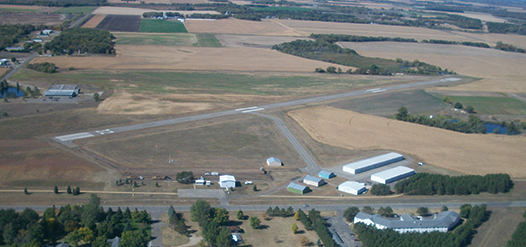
{"points": [[466, 153]]}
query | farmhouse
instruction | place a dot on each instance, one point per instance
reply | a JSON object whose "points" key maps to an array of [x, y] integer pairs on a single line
{"points": [[314, 181], [326, 174], [296, 188], [352, 187], [393, 174], [227, 181], [371, 163], [273, 162], [441, 222], [62, 90]]}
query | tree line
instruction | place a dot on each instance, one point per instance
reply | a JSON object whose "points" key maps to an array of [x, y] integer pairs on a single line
{"points": [[459, 237], [332, 38], [448, 42], [518, 239], [314, 221], [473, 125], [508, 47], [87, 225], [45, 67], [212, 221], [436, 184], [82, 39], [497, 27]]}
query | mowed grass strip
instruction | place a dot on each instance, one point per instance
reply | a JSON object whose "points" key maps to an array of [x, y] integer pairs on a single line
{"points": [[159, 39], [208, 40], [161, 26], [492, 105], [83, 10]]}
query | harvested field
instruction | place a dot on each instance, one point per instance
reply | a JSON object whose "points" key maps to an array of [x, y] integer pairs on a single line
{"points": [[105, 10], [157, 39], [34, 164], [493, 38], [232, 40], [120, 23], [33, 18], [94, 21], [502, 71], [19, 7], [237, 26], [81, 9], [161, 1], [192, 58], [499, 228], [466, 153], [3, 71]]}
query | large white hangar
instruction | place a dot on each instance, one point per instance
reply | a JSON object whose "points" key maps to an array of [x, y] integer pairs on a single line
{"points": [[442, 222], [393, 174], [352, 187], [371, 163]]}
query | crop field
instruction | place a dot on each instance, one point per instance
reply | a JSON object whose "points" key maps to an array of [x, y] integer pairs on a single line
{"points": [[83, 10], [466, 153], [501, 71], [156, 39], [11, 18], [107, 10], [17, 8], [208, 40], [233, 40], [161, 1], [493, 105], [499, 228], [237, 26], [120, 23], [94, 21], [130, 57], [161, 26]]}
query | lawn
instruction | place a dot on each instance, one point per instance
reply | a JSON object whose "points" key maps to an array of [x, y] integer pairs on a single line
{"points": [[162, 26], [160, 39], [83, 10], [208, 40], [492, 105]]}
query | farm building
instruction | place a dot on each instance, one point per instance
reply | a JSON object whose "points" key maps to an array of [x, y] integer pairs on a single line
{"points": [[314, 181], [371, 163], [36, 40], [393, 174], [14, 48], [4, 61], [441, 222], [352, 187], [227, 181], [326, 174], [46, 31], [296, 188], [200, 181], [273, 161], [62, 90]]}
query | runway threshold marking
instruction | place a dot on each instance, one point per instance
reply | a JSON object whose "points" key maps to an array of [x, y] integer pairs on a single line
{"points": [[246, 108], [376, 90], [253, 110], [71, 137]]}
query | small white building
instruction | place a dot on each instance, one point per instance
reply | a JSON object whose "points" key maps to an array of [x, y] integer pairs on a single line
{"points": [[200, 181], [371, 163], [393, 174], [227, 181], [314, 181], [352, 187], [46, 31], [273, 162]]}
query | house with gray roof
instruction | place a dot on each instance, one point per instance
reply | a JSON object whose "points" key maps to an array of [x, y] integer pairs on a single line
{"points": [[441, 222]]}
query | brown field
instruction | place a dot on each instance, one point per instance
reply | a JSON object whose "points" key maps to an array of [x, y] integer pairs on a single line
{"points": [[10, 6], [139, 11], [120, 23], [237, 26], [94, 21], [33, 18], [493, 38], [499, 228], [160, 1], [232, 40], [502, 71], [3, 71], [191, 58], [467, 153]]}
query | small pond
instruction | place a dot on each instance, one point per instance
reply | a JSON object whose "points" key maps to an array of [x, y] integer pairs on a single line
{"points": [[12, 90], [490, 128]]}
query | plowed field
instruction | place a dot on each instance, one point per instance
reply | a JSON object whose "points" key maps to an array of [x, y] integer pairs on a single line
{"points": [[120, 23], [466, 153]]}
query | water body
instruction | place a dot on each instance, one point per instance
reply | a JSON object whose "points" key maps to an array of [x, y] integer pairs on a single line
{"points": [[490, 128], [12, 90]]}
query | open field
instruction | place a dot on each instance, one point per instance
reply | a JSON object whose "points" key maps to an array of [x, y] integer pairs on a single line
{"points": [[120, 23], [106, 10], [208, 40], [74, 10], [502, 71], [157, 39], [3, 71], [493, 105], [468, 153], [161, 26], [499, 228], [94, 21], [33, 18], [17, 8], [233, 40], [191, 58], [237, 26], [161, 1]]}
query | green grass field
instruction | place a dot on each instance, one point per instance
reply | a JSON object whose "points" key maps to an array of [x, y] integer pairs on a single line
{"points": [[492, 105], [160, 39], [83, 10], [208, 40], [162, 26], [16, 10]]}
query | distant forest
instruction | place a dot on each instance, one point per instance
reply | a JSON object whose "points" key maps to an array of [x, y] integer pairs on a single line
{"points": [[83, 40]]}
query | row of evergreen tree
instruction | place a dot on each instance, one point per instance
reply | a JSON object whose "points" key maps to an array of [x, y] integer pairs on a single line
{"points": [[459, 237], [314, 221], [431, 184]]}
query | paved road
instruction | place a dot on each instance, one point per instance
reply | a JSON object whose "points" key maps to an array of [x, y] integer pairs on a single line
{"points": [[68, 139], [13, 71]]}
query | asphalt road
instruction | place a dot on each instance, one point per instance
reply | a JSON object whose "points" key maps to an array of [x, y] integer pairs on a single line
{"points": [[67, 139]]}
